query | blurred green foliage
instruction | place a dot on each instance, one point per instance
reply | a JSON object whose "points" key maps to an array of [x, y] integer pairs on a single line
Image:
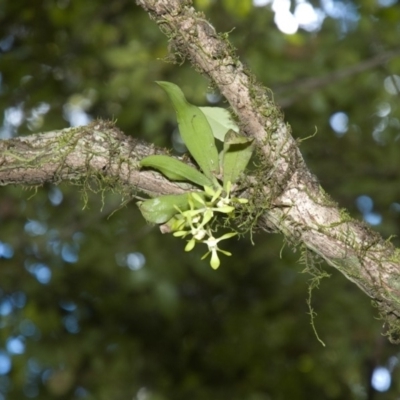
{"points": [[125, 313]]}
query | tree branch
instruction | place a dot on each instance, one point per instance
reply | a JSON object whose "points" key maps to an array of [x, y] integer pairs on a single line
{"points": [[307, 85], [286, 194], [296, 204], [98, 151]]}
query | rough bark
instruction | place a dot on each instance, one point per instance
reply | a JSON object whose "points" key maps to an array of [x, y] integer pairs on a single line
{"points": [[289, 196], [98, 152]]}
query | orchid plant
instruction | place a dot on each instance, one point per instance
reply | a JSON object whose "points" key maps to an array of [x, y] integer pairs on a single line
{"points": [[191, 216]]}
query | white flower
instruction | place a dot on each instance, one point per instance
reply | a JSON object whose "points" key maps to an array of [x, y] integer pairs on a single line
{"points": [[213, 248]]}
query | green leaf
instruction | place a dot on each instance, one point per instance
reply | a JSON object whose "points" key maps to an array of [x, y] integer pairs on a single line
{"points": [[161, 209], [235, 156], [195, 131], [175, 170], [220, 121]]}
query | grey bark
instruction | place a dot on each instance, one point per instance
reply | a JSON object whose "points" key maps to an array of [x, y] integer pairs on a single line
{"points": [[98, 151]]}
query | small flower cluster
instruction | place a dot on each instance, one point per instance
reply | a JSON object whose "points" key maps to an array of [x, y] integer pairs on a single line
{"points": [[196, 221]]}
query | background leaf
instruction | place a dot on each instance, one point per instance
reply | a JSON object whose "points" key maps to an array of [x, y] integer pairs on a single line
{"points": [[220, 121], [235, 156]]}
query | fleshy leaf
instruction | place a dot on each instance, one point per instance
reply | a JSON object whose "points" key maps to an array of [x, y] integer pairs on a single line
{"points": [[175, 170], [195, 131], [220, 121], [235, 156], [161, 209]]}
